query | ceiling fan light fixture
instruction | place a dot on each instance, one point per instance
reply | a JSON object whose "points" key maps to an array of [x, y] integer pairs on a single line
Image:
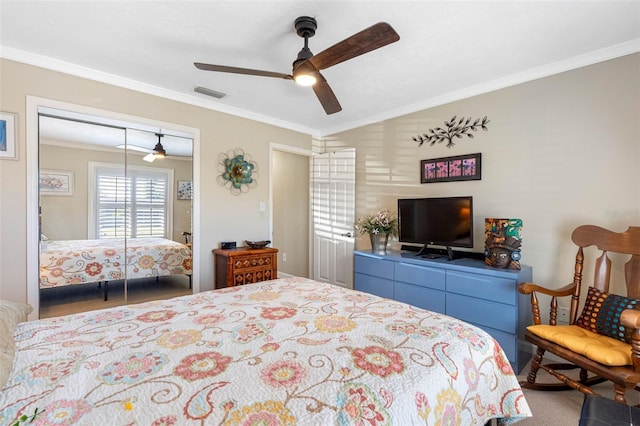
{"points": [[307, 66], [304, 79], [158, 150], [149, 158], [304, 73]]}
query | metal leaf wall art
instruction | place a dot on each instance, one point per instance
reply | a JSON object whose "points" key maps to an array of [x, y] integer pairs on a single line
{"points": [[454, 129], [238, 171]]}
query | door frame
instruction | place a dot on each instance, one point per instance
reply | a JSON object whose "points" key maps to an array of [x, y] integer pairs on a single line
{"points": [[348, 240], [291, 150], [32, 163]]}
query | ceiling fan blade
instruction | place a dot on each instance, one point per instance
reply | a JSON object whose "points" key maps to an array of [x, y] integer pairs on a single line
{"points": [[134, 148], [326, 96], [369, 39], [236, 70]]}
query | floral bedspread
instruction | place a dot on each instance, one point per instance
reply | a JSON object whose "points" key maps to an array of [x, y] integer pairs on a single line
{"points": [[84, 261], [283, 352]]}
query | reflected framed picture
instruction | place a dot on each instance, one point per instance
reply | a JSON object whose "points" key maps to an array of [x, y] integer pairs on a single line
{"points": [[451, 169], [8, 136], [56, 182], [185, 190]]}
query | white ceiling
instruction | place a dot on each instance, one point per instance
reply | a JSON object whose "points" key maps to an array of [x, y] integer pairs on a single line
{"points": [[105, 134], [73, 129], [447, 50]]}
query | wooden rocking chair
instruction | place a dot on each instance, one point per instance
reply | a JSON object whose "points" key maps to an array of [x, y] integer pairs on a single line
{"points": [[187, 238], [595, 341]]}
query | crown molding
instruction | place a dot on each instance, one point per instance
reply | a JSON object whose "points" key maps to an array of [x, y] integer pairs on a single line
{"points": [[590, 58], [600, 55], [138, 86]]}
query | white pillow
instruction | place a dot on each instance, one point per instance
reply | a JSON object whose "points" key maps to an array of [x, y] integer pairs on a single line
{"points": [[11, 313]]}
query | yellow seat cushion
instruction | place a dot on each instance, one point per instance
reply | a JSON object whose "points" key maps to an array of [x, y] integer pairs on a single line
{"points": [[599, 348]]}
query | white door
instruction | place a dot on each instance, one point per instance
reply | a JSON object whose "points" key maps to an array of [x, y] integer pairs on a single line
{"points": [[333, 178]]}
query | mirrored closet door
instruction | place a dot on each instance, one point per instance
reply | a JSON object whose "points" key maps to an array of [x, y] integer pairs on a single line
{"points": [[115, 213]]}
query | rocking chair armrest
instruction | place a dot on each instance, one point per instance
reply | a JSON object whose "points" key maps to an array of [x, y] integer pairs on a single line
{"points": [[528, 288], [630, 318]]}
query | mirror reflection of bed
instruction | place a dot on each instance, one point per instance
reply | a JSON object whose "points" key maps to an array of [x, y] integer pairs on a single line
{"points": [[114, 227]]}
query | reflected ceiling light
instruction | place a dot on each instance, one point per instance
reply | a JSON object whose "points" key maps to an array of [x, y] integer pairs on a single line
{"points": [[158, 151]]}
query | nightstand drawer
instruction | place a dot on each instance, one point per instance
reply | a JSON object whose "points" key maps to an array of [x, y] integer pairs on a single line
{"points": [[253, 261], [254, 276]]}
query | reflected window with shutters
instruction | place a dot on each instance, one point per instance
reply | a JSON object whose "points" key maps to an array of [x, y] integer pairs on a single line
{"points": [[134, 205]]}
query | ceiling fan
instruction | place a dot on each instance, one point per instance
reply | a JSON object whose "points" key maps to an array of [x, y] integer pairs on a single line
{"points": [[157, 152], [307, 66]]}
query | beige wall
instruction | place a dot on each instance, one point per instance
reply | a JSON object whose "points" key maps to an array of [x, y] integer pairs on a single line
{"points": [[224, 217], [290, 181], [559, 152], [65, 217]]}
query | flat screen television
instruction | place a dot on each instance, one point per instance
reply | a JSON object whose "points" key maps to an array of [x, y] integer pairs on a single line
{"points": [[442, 221]]}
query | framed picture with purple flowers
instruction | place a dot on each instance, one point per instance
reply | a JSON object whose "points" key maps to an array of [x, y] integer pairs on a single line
{"points": [[451, 169]]}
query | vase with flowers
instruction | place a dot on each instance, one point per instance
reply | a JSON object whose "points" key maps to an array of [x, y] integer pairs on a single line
{"points": [[378, 226]]}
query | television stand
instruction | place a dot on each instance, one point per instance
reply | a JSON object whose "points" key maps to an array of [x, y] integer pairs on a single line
{"points": [[427, 252], [406, 247], [436, 253], [450, 253], [424, 251]]}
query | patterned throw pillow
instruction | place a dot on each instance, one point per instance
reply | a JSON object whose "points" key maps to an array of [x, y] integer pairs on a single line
{"points": [[601, 314]]}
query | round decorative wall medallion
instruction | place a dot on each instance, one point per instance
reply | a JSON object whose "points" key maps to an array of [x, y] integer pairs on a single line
{"points": [[238, 171]]}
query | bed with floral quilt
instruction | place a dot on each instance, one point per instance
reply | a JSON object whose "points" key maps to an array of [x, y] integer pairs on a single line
{"points": [[72, 262], [291, 351]]}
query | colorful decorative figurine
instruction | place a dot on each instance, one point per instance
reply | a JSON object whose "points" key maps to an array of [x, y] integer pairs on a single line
{"points": [[502, 243]]}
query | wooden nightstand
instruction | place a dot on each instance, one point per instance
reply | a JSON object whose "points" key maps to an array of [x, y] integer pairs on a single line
{"points": [[244, 265]]}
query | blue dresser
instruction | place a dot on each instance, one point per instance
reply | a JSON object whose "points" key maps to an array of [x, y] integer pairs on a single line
{"points": [[466, 289]]}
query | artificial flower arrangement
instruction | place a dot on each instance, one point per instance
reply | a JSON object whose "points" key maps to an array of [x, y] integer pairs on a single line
{"points": [[382, 222]]}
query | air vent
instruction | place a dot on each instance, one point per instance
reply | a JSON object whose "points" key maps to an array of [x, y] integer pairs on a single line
{"points": [[209, 92]]}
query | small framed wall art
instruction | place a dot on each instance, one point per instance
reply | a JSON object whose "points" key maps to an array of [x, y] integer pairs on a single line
{"points": [[8, 136], [185, 190], [450, 169], [56, 182]]}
